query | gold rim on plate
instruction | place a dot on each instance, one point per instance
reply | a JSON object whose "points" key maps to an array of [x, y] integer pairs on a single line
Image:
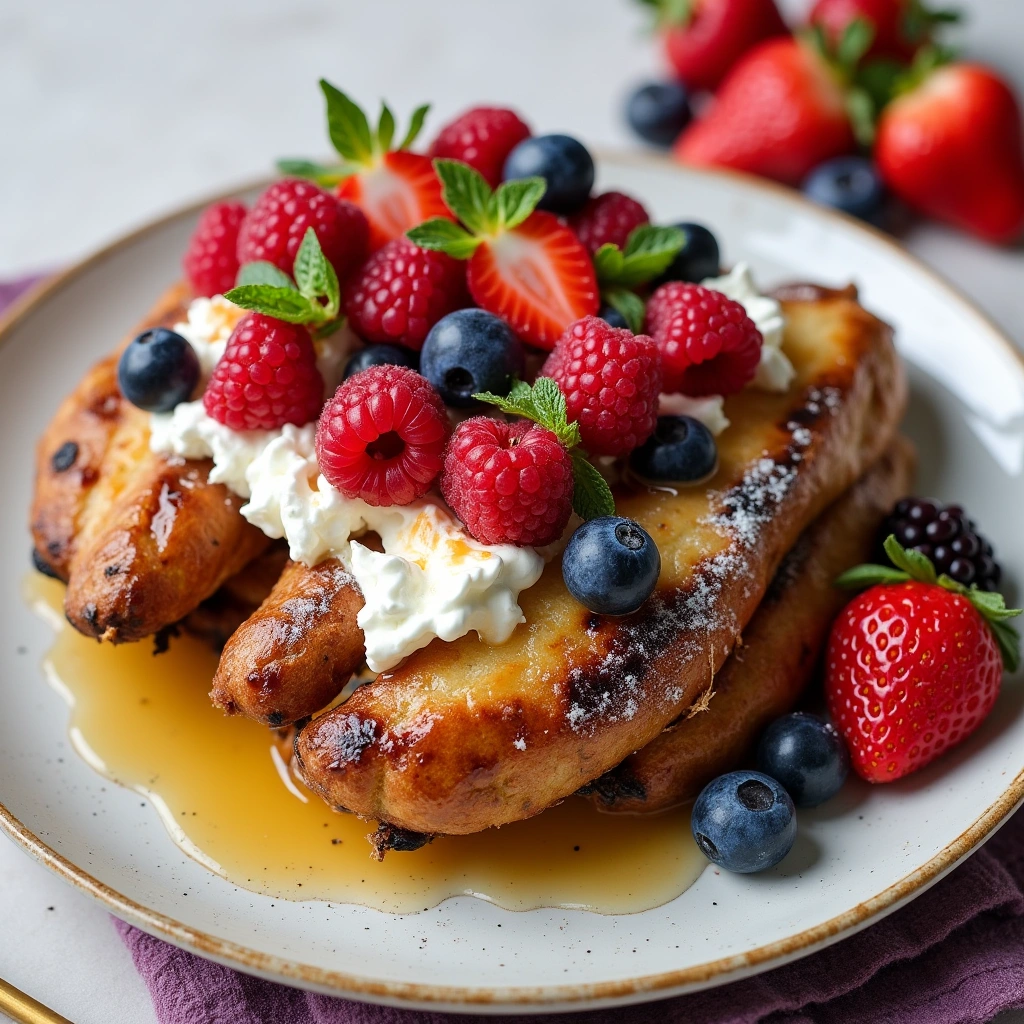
{"points": [[700, 975]]}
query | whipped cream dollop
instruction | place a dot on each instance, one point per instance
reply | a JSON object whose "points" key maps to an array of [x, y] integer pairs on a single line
{"points": [[710, 410], [431, 580]]}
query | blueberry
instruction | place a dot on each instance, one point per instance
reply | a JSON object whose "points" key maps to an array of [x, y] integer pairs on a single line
{"points": [[611, 565], [158, 370], [847, 183], [744, 821], [698, 259], [562, 162], [611, 316], [469, 351], [659, 111], [681, 450], [805, 754], [378, 355]]}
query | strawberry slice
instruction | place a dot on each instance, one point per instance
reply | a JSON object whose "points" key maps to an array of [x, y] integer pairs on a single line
{"points": [[396, 189], [525, 266]]}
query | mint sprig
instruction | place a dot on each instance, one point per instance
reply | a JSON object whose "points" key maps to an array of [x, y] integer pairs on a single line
{"points": [[544, 403], [484, 213], [912, 565], [649, 251], [313, 298]]}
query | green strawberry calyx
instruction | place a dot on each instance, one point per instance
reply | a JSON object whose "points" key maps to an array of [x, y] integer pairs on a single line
{"points": [[313, 298], [648, 252], [544, 403], [358, 144], [909, 565], [484, 213]]}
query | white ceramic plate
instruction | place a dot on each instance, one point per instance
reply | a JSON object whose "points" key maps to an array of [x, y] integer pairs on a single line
{"points": [[857, 858]]}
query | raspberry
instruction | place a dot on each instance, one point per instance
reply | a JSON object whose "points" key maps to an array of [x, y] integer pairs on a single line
{"points": [[609, 217], [381, 437], [611, 380], [709, 346], [510, 483], [276, 224], [481, 137], [401, 291], [211, 260], [266, 378]]}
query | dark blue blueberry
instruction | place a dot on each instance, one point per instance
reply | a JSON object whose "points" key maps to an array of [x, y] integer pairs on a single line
{"points": [[381, 355], [611, 316], [611, 565], [659, 111], [698, 259], [681, 450], [847, 183], [744, 821], [562, 162], [158, 370], [469, 351], [805, 754]]}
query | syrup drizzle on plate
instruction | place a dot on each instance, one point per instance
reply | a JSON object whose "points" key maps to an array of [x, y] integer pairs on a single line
{"points": [[224, 789]]}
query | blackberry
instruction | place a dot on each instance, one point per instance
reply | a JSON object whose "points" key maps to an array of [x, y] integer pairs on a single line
{"points": [[948, 537]]}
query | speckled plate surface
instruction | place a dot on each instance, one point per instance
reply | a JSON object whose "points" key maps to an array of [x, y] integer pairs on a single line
{"points": [[857, 858]]}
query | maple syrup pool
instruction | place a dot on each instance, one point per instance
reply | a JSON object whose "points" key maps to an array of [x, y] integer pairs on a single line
{"points": [[225, 791]]}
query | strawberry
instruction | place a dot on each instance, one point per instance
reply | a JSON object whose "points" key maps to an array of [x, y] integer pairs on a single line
{"points": [[396, 189], [704, 38], [780, 112], [525, 265], [899, 28], [953, 148], [914, 663]]}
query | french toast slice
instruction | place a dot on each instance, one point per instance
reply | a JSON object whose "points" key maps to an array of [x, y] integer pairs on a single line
{"points": [[140, 538], [463, 736], [779, 652]]}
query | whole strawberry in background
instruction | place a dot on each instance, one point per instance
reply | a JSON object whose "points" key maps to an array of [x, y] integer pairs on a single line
{"points": [[899, 28], [952, 146], [914, 663], [702, 39]]}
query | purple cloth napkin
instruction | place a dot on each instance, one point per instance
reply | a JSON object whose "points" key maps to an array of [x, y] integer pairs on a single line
{"points": [[955, 955]]}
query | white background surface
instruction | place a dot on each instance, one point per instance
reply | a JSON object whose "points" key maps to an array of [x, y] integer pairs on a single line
{"points": [[112, 112]]}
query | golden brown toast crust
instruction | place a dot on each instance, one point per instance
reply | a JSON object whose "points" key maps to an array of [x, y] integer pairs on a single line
{"points": [[766, 674], [140, 538], [463, 736]]}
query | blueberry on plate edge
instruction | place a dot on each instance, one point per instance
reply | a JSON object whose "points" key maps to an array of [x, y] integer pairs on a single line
{"points": [[851, 184]]}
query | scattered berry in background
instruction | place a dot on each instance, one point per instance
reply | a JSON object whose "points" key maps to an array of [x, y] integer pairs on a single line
{"points": [[611, 565], [563, 162], [708, 344], [806, 755], [381, 437], [611, 380], [483, 138], [659, 111], [698, 259], [274, 228], [744, 822], [608, 218], [470, 351], [381, 355], [211, 260], [851, 184], [158, 370], [899, 28], [266, 378], [401, 291], [681, 450], [509, 483]]}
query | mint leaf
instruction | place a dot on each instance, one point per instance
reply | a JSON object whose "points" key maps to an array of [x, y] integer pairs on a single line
{"points": [[466, 193], [347, 125], [281, 303], [855, 41], [591, 495], [514, 201], [315, 276], [609, 263], [649, 250], [415, 126], [544, 403], [263, 272], [323, 174], [629, 304], [385, 128], [918, 566], [861, 577], [444, 236]]}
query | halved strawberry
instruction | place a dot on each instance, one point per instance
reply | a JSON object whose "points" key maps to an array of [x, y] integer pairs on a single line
{"points": [[525, 266], [396, 189]]}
